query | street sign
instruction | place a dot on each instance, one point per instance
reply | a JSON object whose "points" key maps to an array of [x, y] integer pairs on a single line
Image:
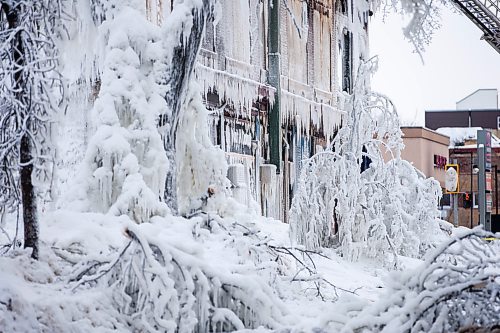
{"points": [[489, 202], [452, 184], [484, 137], [488, 182]]}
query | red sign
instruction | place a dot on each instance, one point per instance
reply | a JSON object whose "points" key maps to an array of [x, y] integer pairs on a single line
{"points": [[488, 181], [440, 161]]}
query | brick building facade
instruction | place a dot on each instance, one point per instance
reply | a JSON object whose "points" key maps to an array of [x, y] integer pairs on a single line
{"points": [[466, 157]]}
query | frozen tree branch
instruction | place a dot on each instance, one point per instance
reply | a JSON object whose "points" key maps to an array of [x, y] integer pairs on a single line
{"points": [[166, 287], [300, 28], [425, 17], [457, 286]]}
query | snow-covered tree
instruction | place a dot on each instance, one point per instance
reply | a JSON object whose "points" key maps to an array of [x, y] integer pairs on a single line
{"points": [[124, 167], [341, 201], [30, 92]]}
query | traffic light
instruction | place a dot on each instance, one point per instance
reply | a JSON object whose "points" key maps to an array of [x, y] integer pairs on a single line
{"points": [[452, 184], [467, 200]]}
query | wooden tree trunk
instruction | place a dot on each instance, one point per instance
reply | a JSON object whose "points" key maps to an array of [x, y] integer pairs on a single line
{"points": [[30, 220], [28, 198]]}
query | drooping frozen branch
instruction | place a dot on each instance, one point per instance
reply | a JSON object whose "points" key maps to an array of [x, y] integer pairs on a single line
{"points": [[424, 18], [348, 196]]}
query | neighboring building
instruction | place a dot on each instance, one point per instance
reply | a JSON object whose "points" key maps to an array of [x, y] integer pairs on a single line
{"points": [[481, 99], [479, 109], [275, 75], [463, 151], [466, 157], [427, 150]]}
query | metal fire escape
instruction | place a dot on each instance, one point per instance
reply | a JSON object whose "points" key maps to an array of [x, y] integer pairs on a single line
{"points": [[486, 15]]}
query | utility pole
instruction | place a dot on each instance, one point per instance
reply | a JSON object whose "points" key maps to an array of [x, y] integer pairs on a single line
{"points": [[484, 178], [274, 77]]}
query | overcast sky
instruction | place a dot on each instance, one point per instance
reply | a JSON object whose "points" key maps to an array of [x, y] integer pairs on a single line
{"points": [[455, 64]]}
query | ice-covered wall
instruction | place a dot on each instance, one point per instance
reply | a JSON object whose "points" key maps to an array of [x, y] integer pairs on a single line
{"points": [[315, 58]]}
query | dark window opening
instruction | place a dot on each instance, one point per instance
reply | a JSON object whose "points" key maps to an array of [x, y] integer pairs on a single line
{"points": [[347, 63], [342, 6]]}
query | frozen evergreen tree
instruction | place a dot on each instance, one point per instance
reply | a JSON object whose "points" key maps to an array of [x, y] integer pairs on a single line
{"points": [[124, 167]]}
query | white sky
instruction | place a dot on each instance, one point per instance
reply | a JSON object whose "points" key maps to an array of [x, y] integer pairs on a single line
{"points": [[455, 64]]}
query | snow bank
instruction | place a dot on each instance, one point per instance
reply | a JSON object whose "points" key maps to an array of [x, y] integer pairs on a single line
{"points": [[210, 273]]}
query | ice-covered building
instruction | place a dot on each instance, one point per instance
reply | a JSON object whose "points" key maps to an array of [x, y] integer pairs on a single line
{"points": [[274, 74], [267, 125]]}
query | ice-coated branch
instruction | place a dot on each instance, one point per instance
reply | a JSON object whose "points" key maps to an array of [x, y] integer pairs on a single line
{"points": [[300, 30], [168, 286], [457, 286], [425, 18]]}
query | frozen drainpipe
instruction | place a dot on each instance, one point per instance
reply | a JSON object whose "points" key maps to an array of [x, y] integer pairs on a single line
{"points": [[274, 57]]}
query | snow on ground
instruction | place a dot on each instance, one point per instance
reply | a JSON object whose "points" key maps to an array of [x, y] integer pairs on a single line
{"points": [[44, 296]]}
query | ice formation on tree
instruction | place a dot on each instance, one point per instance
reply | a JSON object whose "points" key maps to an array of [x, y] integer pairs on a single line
{"points": [[30, 95], [202, 167], [340, 201], [124, 167]]}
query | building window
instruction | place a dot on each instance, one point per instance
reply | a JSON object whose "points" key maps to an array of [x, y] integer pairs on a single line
{"points": [[342, 6], [445, 200], [347, 62]]}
